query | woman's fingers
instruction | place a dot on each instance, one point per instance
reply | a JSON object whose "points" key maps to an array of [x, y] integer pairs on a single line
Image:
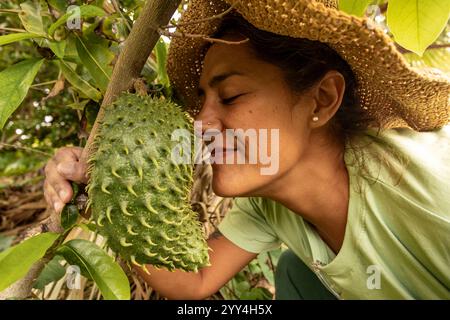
{"points": [[68, 154], [74, 171], [58, 182], [64, 167], [68, 165], [52, 197]]}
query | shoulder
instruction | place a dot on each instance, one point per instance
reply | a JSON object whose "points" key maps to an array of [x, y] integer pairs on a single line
{"points": [[392, 151], [408, 166]]}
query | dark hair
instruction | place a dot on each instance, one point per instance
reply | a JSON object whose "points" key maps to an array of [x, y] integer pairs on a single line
{"points": [[303, 62]]}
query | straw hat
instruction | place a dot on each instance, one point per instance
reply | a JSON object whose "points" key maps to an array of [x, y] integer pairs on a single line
{"points": [[390, 90]]}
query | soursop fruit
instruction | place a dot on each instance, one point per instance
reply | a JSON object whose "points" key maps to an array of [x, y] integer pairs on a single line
{"points": [[138, 196]]}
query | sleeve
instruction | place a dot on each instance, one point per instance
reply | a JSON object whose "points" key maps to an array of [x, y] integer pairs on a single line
{"points": [[245, 225]]}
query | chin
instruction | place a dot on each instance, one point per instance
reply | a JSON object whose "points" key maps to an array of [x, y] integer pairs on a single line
{"points": [[231, 181], [224, 185]]}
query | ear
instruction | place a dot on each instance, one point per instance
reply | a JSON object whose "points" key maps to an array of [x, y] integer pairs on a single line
{"points": [[328, 95]]}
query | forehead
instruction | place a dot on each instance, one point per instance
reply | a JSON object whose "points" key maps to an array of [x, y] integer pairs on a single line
{"points": [[222, 57]]}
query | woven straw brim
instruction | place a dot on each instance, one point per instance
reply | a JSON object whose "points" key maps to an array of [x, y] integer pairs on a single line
{"points": [[389, 89]]}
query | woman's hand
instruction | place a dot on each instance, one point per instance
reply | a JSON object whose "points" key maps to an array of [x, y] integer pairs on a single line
{"points": [[65, 166]]}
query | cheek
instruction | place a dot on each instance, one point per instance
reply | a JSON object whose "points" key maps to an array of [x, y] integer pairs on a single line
{"points": [[293, 143]]}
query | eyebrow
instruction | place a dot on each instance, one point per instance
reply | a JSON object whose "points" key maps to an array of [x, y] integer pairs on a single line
{"points": [[217, 79]]}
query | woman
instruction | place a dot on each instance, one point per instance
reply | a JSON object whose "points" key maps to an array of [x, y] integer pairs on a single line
{"points": [[359, 197]]}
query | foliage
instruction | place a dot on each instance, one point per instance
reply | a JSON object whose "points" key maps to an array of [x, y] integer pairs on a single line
{"points": [[424, 21], [17, 260], [414, 25], [252, 282], [97, 265], [53, 76]]}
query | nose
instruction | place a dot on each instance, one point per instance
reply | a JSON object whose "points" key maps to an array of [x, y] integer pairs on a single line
{"points": [[209, 117]]}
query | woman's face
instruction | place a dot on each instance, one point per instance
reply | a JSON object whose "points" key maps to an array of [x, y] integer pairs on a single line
{"points": [[261, 100]]}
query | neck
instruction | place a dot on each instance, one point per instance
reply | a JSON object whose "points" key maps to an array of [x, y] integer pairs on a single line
{"points": [[317, 189]]}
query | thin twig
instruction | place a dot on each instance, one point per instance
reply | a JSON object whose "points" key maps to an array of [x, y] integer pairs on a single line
{"points": [[117, 8], [43, 83], [25, 148], [55, 14], [12, 29], [433, 46], [201, 36], [10, 10], [439, 46], [217, 16]]}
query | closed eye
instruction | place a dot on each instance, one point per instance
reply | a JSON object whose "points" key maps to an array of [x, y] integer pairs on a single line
{"points": [[231, 99]]}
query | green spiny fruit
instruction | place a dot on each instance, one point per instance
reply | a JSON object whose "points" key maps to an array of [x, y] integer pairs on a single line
{"points": [[138, 196]]}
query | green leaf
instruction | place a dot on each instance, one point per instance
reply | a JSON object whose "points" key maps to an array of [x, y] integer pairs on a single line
{"points": [[30, 15], [241, 286], [256, 294], [14, 84], [416, 24], [16, 261], [69, 216], [149, 73], [53, 271], [13, 37], [78, 105], [58, 47], [88, 227], [432, 58], [161, 58], [354, 7], [59, 5], [78, 82], [267, 272], [107, 274], [5, 242], [86, 11], [96, 57]]}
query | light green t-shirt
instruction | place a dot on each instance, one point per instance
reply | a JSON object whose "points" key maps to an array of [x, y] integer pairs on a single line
{"points": [[397, 237]]}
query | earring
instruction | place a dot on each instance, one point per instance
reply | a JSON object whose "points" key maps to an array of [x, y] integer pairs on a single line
{"points": [[315, 118], [209, 123]]}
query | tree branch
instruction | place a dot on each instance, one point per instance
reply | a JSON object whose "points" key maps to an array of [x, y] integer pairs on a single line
{"points": [[201, 36], [433, 46], [217, 16], [21, 289], [138, 46]]}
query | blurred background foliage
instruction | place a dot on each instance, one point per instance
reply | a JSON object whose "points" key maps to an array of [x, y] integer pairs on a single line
{"points": [[60, 102]]}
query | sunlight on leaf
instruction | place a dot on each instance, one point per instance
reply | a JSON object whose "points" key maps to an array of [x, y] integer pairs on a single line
{"points": [[13, 37], [416, 24], [95, 263], [14, 84], [354, 7], [31, 18], [17, 260]]}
